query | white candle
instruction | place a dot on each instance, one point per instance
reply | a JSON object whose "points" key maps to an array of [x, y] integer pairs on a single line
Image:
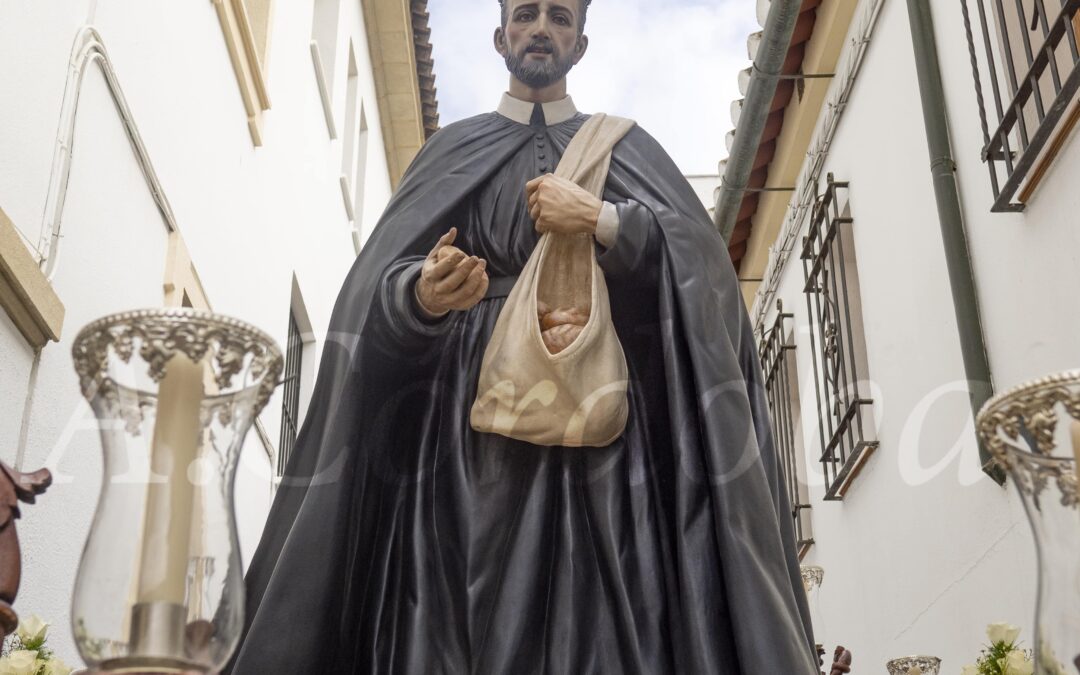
{"points": [[197, 547], [167, 528]]}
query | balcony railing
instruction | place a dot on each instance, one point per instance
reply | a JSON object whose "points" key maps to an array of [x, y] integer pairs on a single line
{"points": [[1030, 49], [836, 341], [290, 400], [777, 349]]}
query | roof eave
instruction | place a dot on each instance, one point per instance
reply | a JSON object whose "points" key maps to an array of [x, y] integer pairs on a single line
{"points": [[404, 78]]}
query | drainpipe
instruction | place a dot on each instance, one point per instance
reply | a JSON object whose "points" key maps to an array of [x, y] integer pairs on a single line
{"points": [[951, 217], [769, 59]]}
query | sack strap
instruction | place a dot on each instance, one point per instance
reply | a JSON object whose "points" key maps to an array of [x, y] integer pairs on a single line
{"points": [[588, 156]]}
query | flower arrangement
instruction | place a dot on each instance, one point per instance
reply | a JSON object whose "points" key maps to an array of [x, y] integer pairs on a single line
{"points": [[1003, 655], [25, 652]]}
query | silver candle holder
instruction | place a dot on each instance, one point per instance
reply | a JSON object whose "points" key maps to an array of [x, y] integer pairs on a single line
{"points": [[812, 578], [159, 586], [1033, 431], [914, 665]]}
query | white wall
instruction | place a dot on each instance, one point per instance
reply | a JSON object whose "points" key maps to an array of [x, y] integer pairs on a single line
{"points": [[704, 186], [251, 218], [924, 551]]}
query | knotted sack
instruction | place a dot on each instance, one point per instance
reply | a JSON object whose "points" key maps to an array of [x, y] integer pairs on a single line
{"points": [[577, 397]]}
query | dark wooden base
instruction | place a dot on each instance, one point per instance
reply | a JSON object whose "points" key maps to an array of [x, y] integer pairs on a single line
{"points": [[9, 621]]}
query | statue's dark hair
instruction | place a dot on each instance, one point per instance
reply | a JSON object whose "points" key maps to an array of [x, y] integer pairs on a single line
{"points": [[581, 24]]}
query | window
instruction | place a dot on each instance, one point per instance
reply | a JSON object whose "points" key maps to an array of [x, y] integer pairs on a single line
{"points": [[836, 340], [182, 285], [183, 288], [357, 240], [324, 41], [299, 371], [1033, 67], [246, 25], [354, 149], [777, 352], [290, 405]]}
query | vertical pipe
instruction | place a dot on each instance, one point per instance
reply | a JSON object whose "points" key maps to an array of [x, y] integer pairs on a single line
{"points": [[951, 217], [24, 426]]}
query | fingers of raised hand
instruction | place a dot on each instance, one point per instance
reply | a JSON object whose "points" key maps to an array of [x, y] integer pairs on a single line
{"points": [[446, 262], [476, 281], [453, 281], [444, 241], [472, 289]]}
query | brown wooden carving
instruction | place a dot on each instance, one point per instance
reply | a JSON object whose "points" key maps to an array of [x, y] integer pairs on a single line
{"points": [[841, 662], [15, 487]]}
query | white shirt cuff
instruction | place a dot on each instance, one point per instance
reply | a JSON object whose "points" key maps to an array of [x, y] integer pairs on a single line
{"points": [[607, 225]]}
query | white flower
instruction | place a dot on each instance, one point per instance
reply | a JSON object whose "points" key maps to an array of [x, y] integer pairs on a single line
{"points": [[1002, 632], [55, 666], [21, 662], [970, 670], [32, 631], [1017, 663]]}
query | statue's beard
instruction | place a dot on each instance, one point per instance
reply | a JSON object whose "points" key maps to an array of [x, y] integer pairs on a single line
{"points": [[538, 74]]}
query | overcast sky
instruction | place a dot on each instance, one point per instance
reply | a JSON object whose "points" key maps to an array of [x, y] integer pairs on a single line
{"points": [[669, 64]]}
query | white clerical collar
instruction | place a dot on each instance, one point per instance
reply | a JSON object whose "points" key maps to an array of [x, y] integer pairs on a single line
{"points": [[521, 111]]}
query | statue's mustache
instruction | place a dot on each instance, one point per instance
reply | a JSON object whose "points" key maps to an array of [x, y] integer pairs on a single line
{"points": [[544, 46]]}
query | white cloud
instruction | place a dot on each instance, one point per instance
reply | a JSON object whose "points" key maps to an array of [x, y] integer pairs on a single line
{"points": [[669, 64]]}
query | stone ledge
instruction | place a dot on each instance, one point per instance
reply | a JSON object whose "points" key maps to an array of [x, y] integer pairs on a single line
{"points": [[247, 38], [397, 86], [25, 294]]}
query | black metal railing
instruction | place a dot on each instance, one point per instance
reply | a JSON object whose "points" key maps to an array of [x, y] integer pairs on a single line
{"points": [[290, 404], [839, 353], [777, 352], [1030, 47]]}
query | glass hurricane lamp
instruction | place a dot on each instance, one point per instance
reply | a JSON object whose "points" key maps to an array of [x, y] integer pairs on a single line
{"points": [[1033, 431], [159, 586], [915, 665]]}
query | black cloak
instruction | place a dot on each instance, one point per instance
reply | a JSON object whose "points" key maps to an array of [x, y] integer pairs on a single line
{"points": [[402, 541]]}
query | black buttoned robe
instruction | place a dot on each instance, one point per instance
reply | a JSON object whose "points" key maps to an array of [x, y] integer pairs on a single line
{"points": [[402, 541]]}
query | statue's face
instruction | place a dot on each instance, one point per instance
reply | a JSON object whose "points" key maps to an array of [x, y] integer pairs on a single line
{"points": [[541, 42]]}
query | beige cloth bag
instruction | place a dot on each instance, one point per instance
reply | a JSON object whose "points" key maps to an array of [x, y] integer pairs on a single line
{"points": [[577, 397]]}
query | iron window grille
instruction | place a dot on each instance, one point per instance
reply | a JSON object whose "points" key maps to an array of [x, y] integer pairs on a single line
{"points": [[777, 352], [839, 352], [1030, 47], [290, 405]]}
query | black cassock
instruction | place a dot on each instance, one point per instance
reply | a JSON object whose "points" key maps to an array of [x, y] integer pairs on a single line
{"points": [[402, 541]]}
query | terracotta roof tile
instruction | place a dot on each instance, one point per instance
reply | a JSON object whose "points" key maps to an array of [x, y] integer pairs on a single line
{"points": [[425, 66], [804, 29]]}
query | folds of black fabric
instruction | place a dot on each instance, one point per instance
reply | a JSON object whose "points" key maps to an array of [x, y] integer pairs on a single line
{"points": [[403, 541]]}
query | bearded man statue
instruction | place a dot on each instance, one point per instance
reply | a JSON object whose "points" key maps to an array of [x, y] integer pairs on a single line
{"points": [[404, 541]]}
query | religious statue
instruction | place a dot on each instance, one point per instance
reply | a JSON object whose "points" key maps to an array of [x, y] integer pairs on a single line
{"points": [[402, 540]]}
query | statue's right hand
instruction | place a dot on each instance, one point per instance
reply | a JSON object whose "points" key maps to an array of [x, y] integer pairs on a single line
{"points": [[450, 279]]}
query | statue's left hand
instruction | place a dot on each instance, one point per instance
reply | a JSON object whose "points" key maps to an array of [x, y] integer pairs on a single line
{"points": [[561, 206]]}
